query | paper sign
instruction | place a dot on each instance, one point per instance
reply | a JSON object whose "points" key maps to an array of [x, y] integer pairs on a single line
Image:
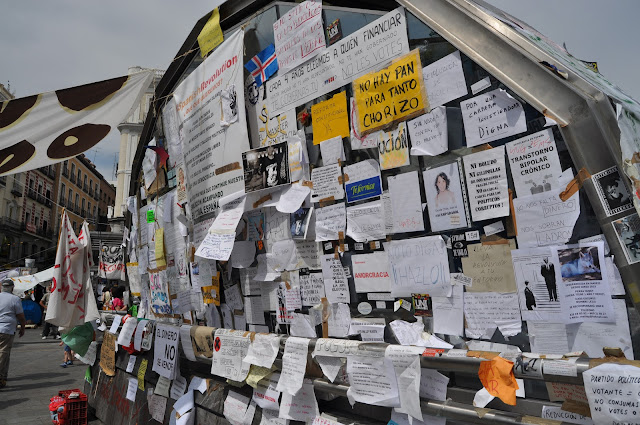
{"points": [[311, 289], [490, 268], [339, 64], [330, 119], [612, 390], [265, 394], [390, 94], [326, 183], [419, 265], [235, 407], [404, 190], [368, 329], [445, 199], [165, 350], [497, 378], [358, 141], [429, 134], [492, 116], [294, 364], [178, 387], [444, 80], [108, 354], [406, 362], [332, 151], [372, 381], [487, 310], [493, 228], [335, 281], [363, 180], [544, 220], [487, 184], [300, 407], [131, 364], [365, 222], [393, 147], [330, 221], [208, 39], [229, 350], [535, 165], [371, 272], [477, 87], [448, 314], [142, 370], [299, 35], [157, 407], [557, 414], [132, 389], [339, 320]]}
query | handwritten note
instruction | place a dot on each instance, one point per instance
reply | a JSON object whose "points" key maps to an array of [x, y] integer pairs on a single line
{"points": [[229, 350], [336, 286], [612, 390], [326, 184], [372, 381], [429, 134], [497, 378], [365, 222], [390, 94], [299, 35], [419, 266], [330, 120], [265, 393], [302, 406], [490, 267], [311, 289], [404, 190], [294, 364], [358, 141], [492, 116], [444, 80], [487, 182], [485, 311], [393, 147], [330, 221]]}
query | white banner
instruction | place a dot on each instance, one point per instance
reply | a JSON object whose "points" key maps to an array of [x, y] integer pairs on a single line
{"points": [[212, 152], [365, 50], [72, 301], [111, 262], [35, 130]]}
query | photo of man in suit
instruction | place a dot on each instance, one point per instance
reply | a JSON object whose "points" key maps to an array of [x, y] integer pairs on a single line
{"points": [[548, 272]]}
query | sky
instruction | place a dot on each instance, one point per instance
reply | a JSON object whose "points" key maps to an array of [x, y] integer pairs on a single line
{"points": [[50, 45]]}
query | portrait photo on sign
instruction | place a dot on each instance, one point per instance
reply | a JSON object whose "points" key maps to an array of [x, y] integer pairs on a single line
{"points": [[445, 199], [579, 264], [300, 222], [266, 167], [613, 193], [628, 231]]}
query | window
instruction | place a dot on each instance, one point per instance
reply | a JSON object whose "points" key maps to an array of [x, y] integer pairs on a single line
{"points": [[39, 189], [77, 201], [45, 225], [91, 185], [37, 221], [25, 249], [34, 249], [85, 179], [79, 176], [42, 254], [88, 207], [70, 195], [83, 203], [27, 217], [94, 211], [31, 183], [73, 169], [64, 188]]}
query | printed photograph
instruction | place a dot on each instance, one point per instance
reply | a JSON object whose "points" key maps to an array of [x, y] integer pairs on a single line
{"points": [[628, 231], [613, 193], [577, 264], [445, 199], [300, 222], [266, 167]]}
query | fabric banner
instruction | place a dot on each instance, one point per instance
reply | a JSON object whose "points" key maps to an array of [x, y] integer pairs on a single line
{"points": [[213, 151], [111, 262], [47, 128], [72, 301]]}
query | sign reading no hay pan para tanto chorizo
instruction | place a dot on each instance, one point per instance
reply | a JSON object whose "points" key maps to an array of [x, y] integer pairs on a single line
{"points": [[363, 51], [492, 116], [214, 166], [390, 94]]}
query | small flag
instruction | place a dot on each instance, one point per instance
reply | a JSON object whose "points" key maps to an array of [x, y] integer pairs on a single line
{"points": [[263, 65]]}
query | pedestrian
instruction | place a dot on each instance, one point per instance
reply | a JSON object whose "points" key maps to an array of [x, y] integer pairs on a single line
{"points": [[48, 327], [10, 314], [68, 355]]}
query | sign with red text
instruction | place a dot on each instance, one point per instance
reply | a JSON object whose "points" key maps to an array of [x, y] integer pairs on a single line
{"points": [[111, 262]]}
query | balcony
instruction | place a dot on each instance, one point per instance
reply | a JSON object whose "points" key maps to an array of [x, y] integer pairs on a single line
{"points": [[90, 192], [72, 178], [40, 199], [70, 205], [83, 213], [44, 233], [85, 187], [9, 223], [62, 200], [3, 180], [32, 194], [79, 184], [65, 172], [16, 190]]}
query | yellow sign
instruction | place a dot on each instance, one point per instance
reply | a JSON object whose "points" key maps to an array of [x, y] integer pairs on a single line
{"points": [[211, 34], [211, 294], [108, 354], [159, 241], [392, 94], [393, 147], [330, 118], [141, 371]]}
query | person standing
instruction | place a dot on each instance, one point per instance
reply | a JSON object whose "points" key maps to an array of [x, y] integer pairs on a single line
{"points": [[548, 272], [10, 314], [48, 327]]}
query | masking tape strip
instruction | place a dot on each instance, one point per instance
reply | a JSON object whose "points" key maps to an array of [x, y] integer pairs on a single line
{"points": [[262, 200], [325, 317], [482, 354], [578, 407], [513, 232], [372, 245], [325, 201], [575, 184], [227, 168], [494, 240], [307, 183], [341, 240], [481, 148], [343, 179]]}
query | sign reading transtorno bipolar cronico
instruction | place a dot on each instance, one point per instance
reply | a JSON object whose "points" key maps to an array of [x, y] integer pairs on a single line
{"points": [[391, 94]]}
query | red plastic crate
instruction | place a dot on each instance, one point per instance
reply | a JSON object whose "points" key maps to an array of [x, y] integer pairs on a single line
{"points": [[75, 408]]}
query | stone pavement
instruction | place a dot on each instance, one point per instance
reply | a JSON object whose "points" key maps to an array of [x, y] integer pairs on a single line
{"points": [[34, 377]]}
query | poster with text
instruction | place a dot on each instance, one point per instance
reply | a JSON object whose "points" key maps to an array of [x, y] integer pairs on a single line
{"points": [[445, 199], [487, 184], [492, 116], [444, 80], [534, 161], [212, 153], [394, 147], [429, 133]]}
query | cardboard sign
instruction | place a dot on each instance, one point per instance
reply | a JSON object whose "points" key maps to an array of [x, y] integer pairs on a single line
{"points": [[108, 354], [330, 118], [391, 94]]}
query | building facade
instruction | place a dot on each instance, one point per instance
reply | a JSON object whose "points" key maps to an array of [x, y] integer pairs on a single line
{"points": [[130, 131]]}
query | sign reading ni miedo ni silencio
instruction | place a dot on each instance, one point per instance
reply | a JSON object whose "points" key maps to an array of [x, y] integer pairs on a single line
{"points": [[391, 94]]}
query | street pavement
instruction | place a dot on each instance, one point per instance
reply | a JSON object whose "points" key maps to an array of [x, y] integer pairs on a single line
{"points": [[34, 377]]}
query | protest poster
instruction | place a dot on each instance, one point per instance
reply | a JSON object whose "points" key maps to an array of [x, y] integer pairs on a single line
{"points": [[612, 391], [371, 272], [327, 183], [230, 347], [445, 197], [339, 64], [214, 168], [362, 180], [365, 222], [490, 267], [299, 35], [111, 262], [534, 161], [330, 118], [390, 94], [159, 293], [165, 350], [404, 190], [266, 167], [108, 354], [394, 147], [358, 141], [492, 116], [583, 289], [419, 265], [487, 184], [486, 311], [628, 232], [429, 133], [444, 80]]}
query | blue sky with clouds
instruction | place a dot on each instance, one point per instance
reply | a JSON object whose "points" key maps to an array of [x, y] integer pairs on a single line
{"points": [[49, 45]]}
